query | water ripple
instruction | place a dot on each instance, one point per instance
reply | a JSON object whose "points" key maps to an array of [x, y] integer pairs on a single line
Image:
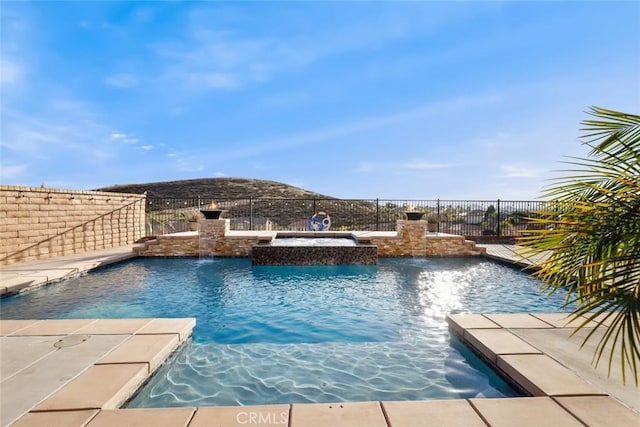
{"points": [[259, 373]]}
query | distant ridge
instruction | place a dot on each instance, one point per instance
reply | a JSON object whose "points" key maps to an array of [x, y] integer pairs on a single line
{"points": [[219, 188]]}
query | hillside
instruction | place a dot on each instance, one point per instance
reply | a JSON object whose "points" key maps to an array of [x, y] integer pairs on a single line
{"points": [[218, 188]]}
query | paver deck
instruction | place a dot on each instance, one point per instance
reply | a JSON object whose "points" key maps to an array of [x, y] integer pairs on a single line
{"points": [[84, 384], [514, 254], [544, 360], [72, 365], [15, 278]]}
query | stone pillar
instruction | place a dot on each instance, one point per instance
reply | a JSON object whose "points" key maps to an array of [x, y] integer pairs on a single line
{"points": [[211, 233], [413, 237]]}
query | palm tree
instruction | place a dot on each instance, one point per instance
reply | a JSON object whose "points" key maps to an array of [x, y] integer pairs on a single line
{"points": [[592, 232]]}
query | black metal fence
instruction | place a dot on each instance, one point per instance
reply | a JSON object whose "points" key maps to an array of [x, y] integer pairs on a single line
{"points": [[470, 218]]}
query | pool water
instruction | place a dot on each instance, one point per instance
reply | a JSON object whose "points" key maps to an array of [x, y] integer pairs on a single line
{"points": [[287, 334]]}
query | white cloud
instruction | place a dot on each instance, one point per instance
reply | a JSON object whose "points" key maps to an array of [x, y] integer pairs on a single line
{"points": [[519, 171], [124, 138], [11, 72], [36, 136], [401, 168], [145, 147], [122, 80], [332, 133], [21, 137], [60, 140], [17, 41], [12, 171], [423, 165], [212, 60], [222, 60]]}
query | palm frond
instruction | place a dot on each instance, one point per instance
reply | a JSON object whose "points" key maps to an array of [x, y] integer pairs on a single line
{"points": [[592, 228]]}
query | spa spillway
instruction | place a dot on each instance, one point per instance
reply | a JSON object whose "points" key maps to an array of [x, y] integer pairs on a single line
{"points": [[313, 250]]}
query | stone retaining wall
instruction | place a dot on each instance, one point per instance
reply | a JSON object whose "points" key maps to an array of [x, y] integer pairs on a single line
{"points": [[170, 245], [40, 223], [412, 239]]}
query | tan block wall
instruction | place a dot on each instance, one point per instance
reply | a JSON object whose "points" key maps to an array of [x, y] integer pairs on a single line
{"points": [[412, 240], [39, 223]]}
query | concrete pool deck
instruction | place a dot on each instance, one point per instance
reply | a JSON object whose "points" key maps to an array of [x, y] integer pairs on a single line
{"points": [[56, 366], [99, 363], [18, 277], [513, 254]]}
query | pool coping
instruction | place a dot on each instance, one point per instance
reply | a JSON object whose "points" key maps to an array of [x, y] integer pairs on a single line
{"points": [[572, 402], [523, 349]]}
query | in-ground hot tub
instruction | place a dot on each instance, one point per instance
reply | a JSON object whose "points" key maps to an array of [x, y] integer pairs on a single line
{"points": [[313, 249]]}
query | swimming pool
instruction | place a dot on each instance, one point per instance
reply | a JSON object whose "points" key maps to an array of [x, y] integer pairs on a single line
{"points": [[287, 334]]}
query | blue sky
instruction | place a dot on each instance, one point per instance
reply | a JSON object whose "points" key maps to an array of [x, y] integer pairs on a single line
{"points": [[460, 100]]}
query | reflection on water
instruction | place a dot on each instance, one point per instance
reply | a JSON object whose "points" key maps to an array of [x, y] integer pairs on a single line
{"points": [[235, 302]]}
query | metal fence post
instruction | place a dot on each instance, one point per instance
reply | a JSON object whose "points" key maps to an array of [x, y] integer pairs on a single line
{"points": [[498, 226], [377, 214], [438, 214], [250, 213]]}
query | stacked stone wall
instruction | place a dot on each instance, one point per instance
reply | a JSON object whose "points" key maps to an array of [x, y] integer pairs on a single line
{"points": [[452, 246], [170, 245], [235, 246], [212, 240], [412, 239], [212, 237], [40, 223]]}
